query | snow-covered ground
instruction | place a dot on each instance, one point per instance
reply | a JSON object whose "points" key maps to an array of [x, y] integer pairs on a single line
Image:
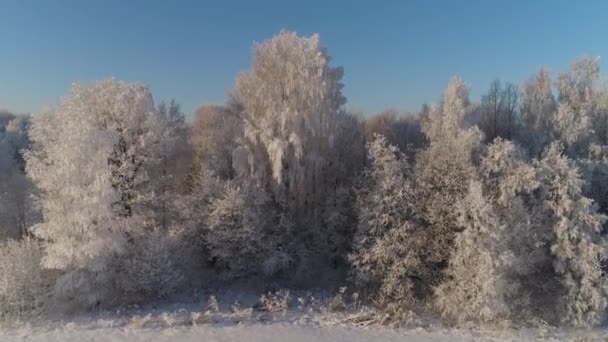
{"points": [[238, 318], [257, 332], [278, 332]]}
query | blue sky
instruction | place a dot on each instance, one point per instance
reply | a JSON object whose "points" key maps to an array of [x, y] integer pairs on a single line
{"points": [[396, 54]]}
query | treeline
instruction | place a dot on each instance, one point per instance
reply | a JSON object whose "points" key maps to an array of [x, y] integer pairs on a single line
{"points": [[485, 211]]}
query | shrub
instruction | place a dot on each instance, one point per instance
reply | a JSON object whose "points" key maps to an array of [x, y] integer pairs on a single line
{"points": [[24, 286]]}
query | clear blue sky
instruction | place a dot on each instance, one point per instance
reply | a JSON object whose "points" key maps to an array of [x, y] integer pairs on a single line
{"points": [[396, 54]]}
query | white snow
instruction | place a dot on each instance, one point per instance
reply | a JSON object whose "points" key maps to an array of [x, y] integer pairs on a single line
{"points": [[185, 322], [280, 332], [275, 332]]}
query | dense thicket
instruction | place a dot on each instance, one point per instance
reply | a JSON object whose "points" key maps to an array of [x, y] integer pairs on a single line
{"points": [[486, 211]]}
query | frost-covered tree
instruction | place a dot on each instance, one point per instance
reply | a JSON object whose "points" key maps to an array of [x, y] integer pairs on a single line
{"points": [[482, 283], [389, 239], [291, 104], [443, 173], [169, 164], [290, 98], [89, 159], [478, 285], [538, 106], [577, 103], [509, 181], [573, 244], [555, 239]]}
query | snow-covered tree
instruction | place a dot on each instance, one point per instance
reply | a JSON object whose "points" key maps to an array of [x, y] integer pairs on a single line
{"points": [[482, 282], [290, 98], [478, 284], [89, 159], [389, 239], [572, 241], [443, 173], [554, 234], [169, 164], [291, 104], [537, 110], [577, 103]]}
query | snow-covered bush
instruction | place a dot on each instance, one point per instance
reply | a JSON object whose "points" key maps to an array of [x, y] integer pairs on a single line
{"points": [[157, 265], [235, 234], [274, 302], [239, 232], [25, 287], [389, 240]]}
